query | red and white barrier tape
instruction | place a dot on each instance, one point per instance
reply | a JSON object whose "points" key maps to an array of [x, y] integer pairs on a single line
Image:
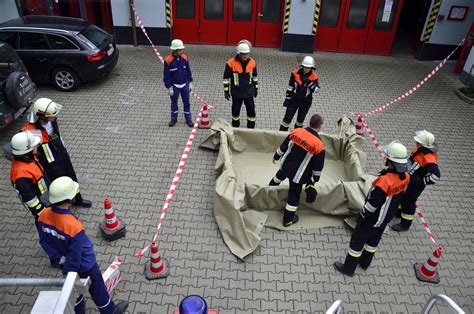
{"points": [[157, 53], [377, 145], [371, 135], [416, 87], [425, 224], [185, 154]]}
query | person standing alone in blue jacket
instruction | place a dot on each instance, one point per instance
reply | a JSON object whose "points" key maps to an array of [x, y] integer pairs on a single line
{"points": [[178, 80], [61, 234]]}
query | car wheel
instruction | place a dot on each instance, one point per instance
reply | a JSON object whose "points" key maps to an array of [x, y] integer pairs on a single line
{"points": [[19, 89], [65, 79]]}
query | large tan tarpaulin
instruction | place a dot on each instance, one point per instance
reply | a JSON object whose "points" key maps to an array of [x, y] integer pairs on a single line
{"points": [[243, 201]]}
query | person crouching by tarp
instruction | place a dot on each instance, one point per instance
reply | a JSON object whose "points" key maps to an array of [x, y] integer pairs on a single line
{"points": [[379, 209], [178, 80], [424, 170], [61, 234], [302, 161], [299, 94], [241, 82], [52, 154]]}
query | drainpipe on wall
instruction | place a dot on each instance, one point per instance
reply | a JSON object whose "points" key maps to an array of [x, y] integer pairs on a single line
{"points": [[134, 26]]}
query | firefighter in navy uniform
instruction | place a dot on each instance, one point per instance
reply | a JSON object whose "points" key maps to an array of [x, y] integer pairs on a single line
{"points": [[241, 83], [424, 170], [299, 94], [52, 153], [302, 160], [63, 235], [178, 80], [27, 175], [379, 209]]}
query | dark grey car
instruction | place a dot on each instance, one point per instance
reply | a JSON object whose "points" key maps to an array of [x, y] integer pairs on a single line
{"points": [[62, 51]]}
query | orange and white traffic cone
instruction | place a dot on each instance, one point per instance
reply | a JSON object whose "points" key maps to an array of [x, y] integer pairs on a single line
{"points": [[157, 267], [427, 272], [359, 127], [205, 122], [112, 228]]}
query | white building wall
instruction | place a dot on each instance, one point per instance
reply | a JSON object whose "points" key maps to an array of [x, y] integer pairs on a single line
{"points": [[301, 17], [8, 10], [447, 32], [152, 12]]}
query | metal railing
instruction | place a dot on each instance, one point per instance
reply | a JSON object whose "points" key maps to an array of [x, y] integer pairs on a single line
{"points": [[445, 299], [53, 301]]}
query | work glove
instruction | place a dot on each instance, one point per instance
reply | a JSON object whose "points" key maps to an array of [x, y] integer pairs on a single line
{"points": [[171, 91], [316, 90], [287, 103], [427, 180], [310, 192], [191, 87], [227, 95], [256, 92]]}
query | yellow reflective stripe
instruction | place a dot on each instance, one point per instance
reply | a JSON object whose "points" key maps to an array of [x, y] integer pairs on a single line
{"points": [[236, 118], [226, 88], [252, 119], [276, 179], [236, 79], [310, 186], [284, 124], [291, 208], [42, 185], [354, 253], [33, 202], [370, 249], [48, 153], [407, 217]]}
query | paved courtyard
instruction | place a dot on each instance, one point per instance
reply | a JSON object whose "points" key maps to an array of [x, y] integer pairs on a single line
{"points": [[117, 134]]}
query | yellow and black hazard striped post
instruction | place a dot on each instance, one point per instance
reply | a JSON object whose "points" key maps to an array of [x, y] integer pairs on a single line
{"points": [[432, 20], [168, 13], [286, 18], [317, 9]]}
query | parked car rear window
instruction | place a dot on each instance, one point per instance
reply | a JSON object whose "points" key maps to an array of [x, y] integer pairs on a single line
{"points": [[59, 42], [32, 41], [9, 38], [95, 35], [9, 63]]}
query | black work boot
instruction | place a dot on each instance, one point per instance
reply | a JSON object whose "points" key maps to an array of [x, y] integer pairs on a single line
{"points": [[250, 124], [273, 182], [121, 307], [172, 123], [297, 125], [235, 123], [400, 227], [79, 201], [190, 123], [348, 267], [284, 128], [366, 259], [289, 218]]}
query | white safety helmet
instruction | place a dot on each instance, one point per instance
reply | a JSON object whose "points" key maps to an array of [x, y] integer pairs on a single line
{"points": [[62, 189], [396, 152], [24, 142], [425, 138], [243, 46], [44, 107], [177, 44], [308, 62]]}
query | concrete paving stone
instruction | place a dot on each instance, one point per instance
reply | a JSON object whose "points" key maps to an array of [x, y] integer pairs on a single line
{"points": [[115, 166]]}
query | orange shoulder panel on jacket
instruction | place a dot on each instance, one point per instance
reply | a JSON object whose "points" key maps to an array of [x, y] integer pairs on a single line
{"points": [[297, 76], [251, 65], [307, 141], [313, 76], [235, 65], [424, 159], [185, 57], [391, 183], [29, 170], [65, 223], [169, 59]]}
